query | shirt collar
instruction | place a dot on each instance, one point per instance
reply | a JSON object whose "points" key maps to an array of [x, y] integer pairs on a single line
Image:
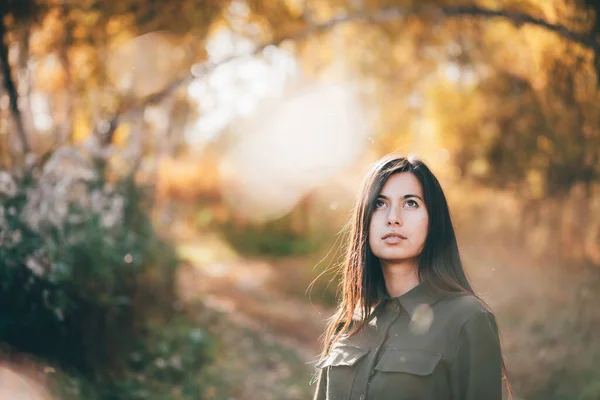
{"points": [[422, 294]]}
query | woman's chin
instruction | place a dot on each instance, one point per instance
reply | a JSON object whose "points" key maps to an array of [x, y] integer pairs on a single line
{"points": [[396, 257]]}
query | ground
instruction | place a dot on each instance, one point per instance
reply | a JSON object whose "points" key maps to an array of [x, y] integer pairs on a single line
{"points": [[269, 339], [270, 334]]}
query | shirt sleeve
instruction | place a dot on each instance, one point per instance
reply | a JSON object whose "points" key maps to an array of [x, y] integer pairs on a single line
{"points": [[321, 385], [477, 369]]}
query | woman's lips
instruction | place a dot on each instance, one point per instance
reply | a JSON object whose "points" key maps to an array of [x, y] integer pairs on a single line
{"points": [[393, 238]]}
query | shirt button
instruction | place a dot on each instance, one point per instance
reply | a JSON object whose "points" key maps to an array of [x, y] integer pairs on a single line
{"points": [[362, 397]]}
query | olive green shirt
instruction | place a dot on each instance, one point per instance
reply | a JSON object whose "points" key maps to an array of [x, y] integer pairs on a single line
{"points": [[417, 346]]}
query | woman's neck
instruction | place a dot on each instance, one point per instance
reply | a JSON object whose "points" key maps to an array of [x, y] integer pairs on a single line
{"points": [[400, 278]]}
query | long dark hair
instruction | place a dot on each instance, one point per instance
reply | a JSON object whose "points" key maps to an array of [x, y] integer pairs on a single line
{"points": [[439, 263]]}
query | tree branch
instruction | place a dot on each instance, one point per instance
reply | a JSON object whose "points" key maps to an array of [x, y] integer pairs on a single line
{"points": [[393, 13], [588, 40]]}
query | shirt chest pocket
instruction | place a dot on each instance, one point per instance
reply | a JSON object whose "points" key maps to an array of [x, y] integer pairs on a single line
{"points": [[342, 355], [411, 374], [341, 367]]}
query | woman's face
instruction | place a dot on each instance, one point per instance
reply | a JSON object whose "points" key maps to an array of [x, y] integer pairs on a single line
{"points": [[399, 221]]}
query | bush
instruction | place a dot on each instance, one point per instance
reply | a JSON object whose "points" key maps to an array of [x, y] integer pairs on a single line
{"points": [[281, 237], [82, 270], [166, 365]]}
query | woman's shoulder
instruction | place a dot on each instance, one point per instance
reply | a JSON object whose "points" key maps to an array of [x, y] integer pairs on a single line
{"points": [[465, 307], [466, 302]]}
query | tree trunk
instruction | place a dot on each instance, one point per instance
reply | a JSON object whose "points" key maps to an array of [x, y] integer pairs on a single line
{"points": [[10, 88], [595, 6], [65, 128], [24, 81]]}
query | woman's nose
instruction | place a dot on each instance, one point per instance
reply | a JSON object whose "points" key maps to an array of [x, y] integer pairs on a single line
{"points": [[394, 218]]}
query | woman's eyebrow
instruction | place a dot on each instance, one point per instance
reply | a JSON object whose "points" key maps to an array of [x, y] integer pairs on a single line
{"points": [[406, 196]]}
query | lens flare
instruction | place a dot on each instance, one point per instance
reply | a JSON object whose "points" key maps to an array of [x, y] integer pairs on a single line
{"points": [[292, 147]]}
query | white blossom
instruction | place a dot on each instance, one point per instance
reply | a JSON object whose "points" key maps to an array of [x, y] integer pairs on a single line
{"points": [[8, 187], [160, 363], [63, 194], [35, 266], [69, 163], [10, 238]]}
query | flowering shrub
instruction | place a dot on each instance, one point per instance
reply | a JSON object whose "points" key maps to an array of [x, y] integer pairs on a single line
{"points": [[79, 264], [167, 365]]}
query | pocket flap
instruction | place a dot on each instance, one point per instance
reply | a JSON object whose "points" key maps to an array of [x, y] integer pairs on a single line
{"points": [[342, 355], [408, 361]]}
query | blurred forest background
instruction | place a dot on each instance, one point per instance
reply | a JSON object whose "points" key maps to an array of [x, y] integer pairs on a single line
{"points": [[175, 174]]}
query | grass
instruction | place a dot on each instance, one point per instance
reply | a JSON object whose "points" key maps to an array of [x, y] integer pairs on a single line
{"points": [[167, 365], [253, 364]]}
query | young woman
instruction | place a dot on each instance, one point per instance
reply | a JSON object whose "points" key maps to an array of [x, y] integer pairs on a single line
{"points": [[408, 325]]}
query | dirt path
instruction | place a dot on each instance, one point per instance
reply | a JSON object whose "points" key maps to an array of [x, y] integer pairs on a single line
{"points": [[270, 338]]}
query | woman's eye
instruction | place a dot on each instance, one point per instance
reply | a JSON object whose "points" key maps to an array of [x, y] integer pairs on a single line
{"points": [[412, 203], [379, 203]]}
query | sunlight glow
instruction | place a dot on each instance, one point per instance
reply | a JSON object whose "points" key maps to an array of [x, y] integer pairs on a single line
{"points": [[40, 108], [145, 64], [290, 148], [236, 88], [456, 73], [19, 386]]}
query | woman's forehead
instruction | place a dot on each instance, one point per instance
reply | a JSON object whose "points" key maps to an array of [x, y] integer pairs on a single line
{"points": [[400, 184]]}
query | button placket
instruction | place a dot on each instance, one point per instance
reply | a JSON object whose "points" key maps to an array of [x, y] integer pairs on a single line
{"points": [[384, 337]]}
